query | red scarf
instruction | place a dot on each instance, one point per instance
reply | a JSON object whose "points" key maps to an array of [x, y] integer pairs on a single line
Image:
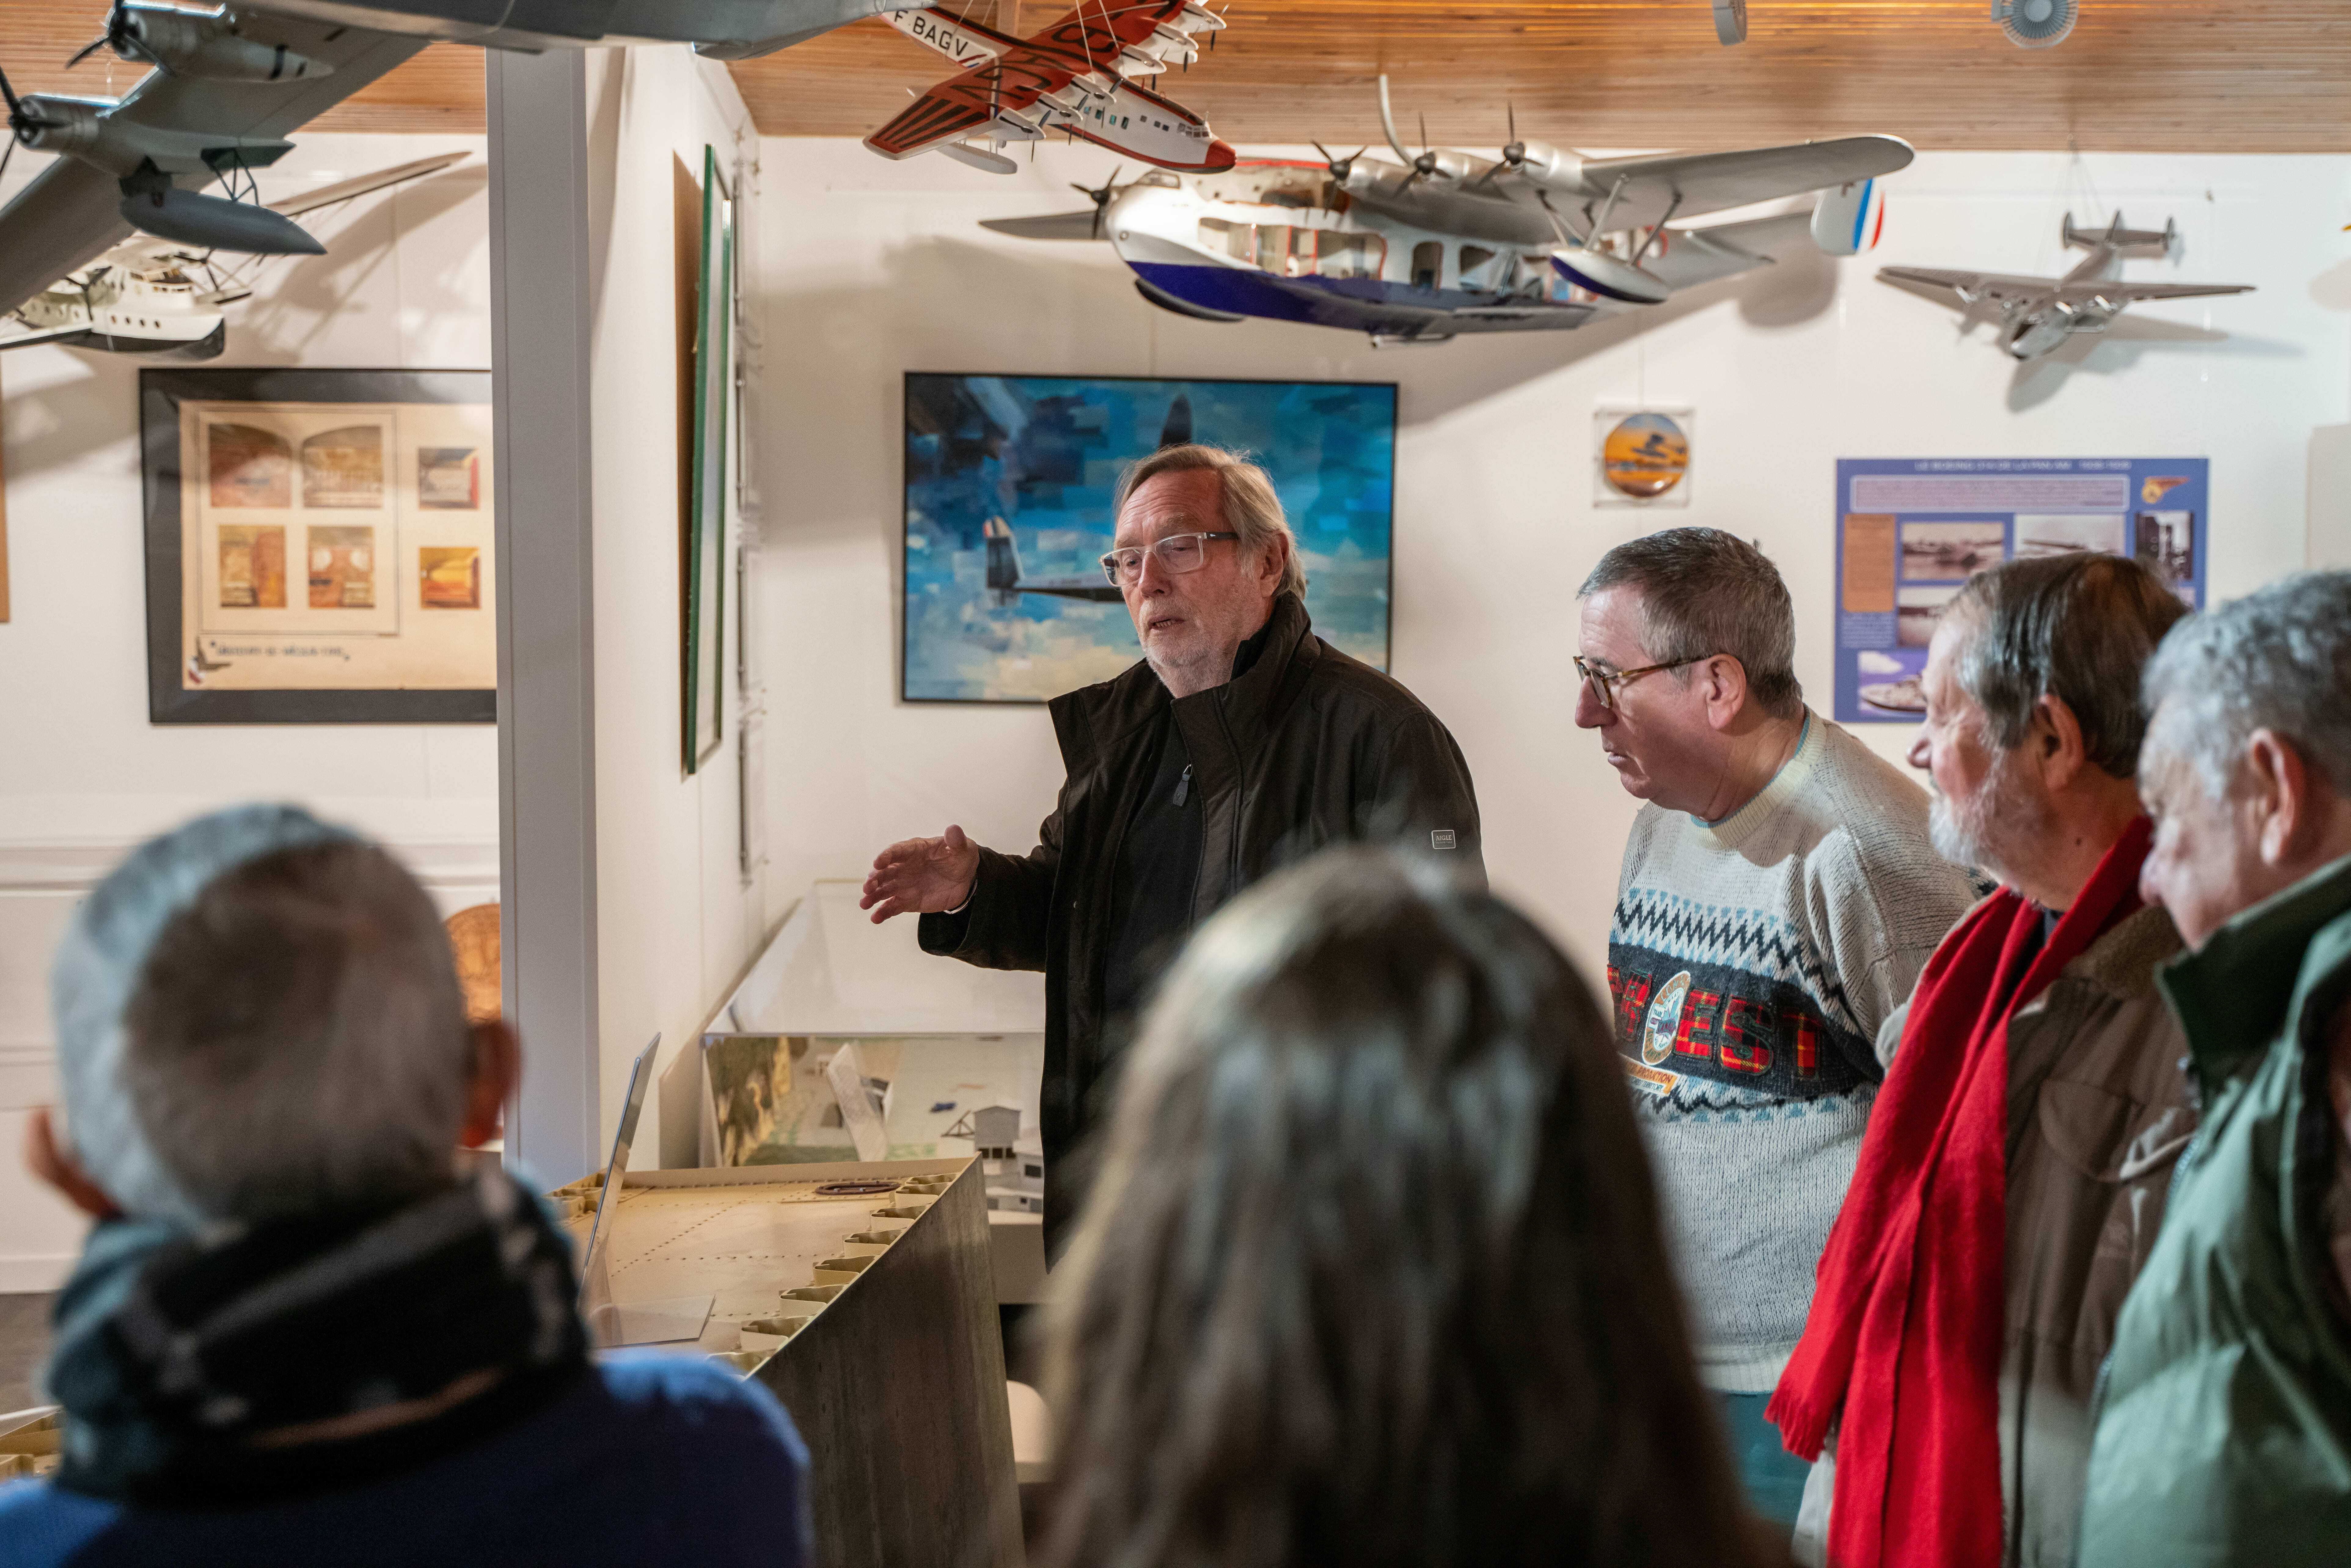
{"points": [[1905, 1333]]}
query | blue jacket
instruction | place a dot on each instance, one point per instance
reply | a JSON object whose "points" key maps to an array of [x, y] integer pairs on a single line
{"points": [[651, 1458]]}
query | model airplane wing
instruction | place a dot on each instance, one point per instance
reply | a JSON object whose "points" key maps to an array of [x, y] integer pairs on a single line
{"points": [[949, 111], [2125, 293], [71, 214], [1053, 225], [348, 190], [1975, 287], [1687, 184]]}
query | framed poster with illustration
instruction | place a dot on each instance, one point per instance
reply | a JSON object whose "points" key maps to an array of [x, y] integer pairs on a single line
{"points": [[706, 530], [319, 547]]}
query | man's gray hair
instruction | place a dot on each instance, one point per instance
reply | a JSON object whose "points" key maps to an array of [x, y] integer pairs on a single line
{"points": [[259, 1014], [1704, 592], [1252, 508], [2080, 627], [2278, 659]]}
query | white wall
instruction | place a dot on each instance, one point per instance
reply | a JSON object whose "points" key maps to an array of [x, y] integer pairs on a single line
{"points": [[874, 268], [83, 775], [676, 920]]}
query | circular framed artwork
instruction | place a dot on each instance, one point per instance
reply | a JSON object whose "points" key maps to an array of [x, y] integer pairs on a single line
{"points": [[1645, 457]]}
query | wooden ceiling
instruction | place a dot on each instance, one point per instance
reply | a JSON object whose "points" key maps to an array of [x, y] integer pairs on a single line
{"points": [[2173, 76]]}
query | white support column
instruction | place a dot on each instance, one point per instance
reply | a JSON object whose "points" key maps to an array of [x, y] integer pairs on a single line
{"points": [[539, 303]]}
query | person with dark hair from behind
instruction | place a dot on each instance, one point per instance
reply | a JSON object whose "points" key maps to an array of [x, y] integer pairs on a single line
{"points": [[299, 1332], [1372, 1271]]}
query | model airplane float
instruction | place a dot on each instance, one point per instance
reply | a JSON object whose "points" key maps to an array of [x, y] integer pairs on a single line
{"points": [[1445, 243], [230, 85], [2037, 314], [1074, 77], [144, 297]]}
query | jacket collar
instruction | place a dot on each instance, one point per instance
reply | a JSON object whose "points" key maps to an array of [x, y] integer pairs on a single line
{"points": [[2251, 981], [1090, 721]]}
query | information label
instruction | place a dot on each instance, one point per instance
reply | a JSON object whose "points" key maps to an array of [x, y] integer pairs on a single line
{"points": [[1910, 531]]}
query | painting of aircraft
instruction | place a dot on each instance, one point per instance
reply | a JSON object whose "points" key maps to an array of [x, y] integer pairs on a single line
{"points": [[228, 87], [1073, 78], [145, 295], [1444, 242], [2038, 314]]}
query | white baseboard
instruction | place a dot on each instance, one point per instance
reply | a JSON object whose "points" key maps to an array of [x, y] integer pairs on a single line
{"points": [[38, 1271]]}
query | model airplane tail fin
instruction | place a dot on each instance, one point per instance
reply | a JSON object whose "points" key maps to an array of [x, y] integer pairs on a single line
{"points": [[1847, 219], [1003, 556], [2155, 243]]}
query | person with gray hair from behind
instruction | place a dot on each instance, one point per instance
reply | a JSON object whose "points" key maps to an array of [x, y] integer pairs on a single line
{"points": [[1778, 898], [2014, 1170], [299, 1332], [2224, 1434], [1238, 742]]}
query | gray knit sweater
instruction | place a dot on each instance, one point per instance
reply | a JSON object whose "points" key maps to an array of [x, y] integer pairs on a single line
{"points": [[1751, 960]]}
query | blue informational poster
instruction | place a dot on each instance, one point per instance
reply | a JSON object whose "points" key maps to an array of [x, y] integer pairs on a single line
{"points": [[1912, 530]]}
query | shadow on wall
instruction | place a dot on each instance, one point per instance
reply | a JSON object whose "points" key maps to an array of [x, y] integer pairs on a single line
{"points": [[868, 321], [2123, 345], [279, 328]]}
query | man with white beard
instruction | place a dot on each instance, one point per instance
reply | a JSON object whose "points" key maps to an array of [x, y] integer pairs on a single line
{"points": [[2013, 1174]]}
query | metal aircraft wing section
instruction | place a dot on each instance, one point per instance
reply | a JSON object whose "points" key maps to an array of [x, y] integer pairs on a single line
{"points": [[1691, 256], [69, 213], [2127, 293], [1689, 184], [1973, 287]]}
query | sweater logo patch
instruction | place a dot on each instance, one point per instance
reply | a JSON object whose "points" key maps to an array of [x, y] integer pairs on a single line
{"points": [[1650, 1080], [1440, 839], [1664, 1019]]}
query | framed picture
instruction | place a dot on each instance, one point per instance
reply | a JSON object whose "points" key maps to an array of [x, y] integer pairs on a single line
{"points": [[1009, 486], [706, 530], [320, 547]]}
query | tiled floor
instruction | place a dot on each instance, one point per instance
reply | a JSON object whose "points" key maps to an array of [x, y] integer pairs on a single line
{"points": [[24, 1347]]}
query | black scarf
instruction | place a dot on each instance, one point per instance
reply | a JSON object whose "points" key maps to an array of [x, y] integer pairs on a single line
{"points": [[216, 1371]]}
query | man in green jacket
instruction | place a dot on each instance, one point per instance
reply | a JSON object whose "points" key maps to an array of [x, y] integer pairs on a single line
{"points": [[2224, 1434]]}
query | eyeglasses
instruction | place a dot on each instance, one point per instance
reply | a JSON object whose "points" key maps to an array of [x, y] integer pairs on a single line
{"points": [[1176, 552], [1603, 684]]}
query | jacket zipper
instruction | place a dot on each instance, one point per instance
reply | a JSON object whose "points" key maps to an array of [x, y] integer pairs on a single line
{"points": [[1183, 785]]}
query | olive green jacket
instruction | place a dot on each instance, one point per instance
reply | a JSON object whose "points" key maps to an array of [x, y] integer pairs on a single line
{"points": [[2225, 1427]]}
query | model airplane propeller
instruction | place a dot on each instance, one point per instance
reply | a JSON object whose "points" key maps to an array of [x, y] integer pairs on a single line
{"points": [[1446, 242], [1074, 77], [2038, 314]]}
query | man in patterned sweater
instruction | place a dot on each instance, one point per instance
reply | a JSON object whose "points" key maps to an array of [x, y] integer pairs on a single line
{"points": [[1780, 895]]}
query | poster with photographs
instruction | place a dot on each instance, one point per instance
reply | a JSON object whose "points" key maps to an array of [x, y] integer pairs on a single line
{"points": [[1911, 531], [319, 547]]}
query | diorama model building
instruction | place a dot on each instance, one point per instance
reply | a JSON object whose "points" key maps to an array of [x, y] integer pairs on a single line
{"points": [[1446, 242], [228, 87], [2038, 314]]}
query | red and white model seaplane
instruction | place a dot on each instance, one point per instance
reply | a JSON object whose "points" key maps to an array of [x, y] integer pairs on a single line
{"points": [[1073, 78]]}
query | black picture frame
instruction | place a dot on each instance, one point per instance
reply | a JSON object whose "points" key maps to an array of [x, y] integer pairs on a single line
{"points": [[161, 393]]}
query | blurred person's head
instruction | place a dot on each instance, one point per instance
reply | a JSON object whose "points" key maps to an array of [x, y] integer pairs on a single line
{"points": [[1372, 1272], [1705, 619], [258, 1014], [1196, 601], [2034, 720], [2247, 768]]}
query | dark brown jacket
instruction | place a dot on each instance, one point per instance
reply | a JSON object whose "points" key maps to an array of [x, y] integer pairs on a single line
{"points": [[1306, 747]]}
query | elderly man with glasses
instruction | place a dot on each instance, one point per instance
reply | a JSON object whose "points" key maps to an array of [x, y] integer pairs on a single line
{"points": [[1240, 742], [1779, 895]]}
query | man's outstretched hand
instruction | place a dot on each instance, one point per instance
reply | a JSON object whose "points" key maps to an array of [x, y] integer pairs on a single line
{"points": [[922, 876]]}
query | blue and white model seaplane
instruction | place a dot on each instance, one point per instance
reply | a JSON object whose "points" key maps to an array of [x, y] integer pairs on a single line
{"points": [[1444, 242]]}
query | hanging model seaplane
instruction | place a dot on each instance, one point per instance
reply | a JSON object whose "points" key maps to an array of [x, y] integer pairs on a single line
{"points": [[229, 85], [2038, 314], [1073, 78], [149, 296], [1446, 242]]}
